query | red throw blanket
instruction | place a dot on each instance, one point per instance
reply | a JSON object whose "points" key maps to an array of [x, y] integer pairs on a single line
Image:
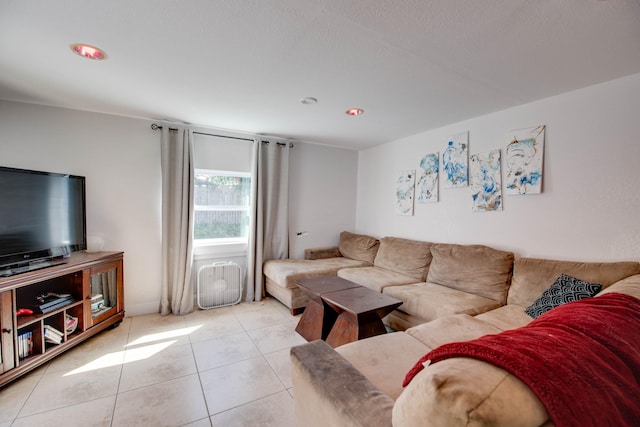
{"points": [[582, 360]]}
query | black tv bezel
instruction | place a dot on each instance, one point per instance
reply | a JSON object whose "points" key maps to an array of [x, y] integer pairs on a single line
{"points": [[25, 259]]}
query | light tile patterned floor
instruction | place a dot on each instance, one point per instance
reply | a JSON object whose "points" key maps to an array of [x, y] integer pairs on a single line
{"points": [[222, 367]]}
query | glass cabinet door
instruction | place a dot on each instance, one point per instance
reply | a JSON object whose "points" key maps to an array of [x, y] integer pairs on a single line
{"points": [[106, 288]]}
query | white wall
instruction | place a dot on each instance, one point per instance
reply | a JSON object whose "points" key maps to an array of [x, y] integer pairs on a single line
{"points": [[590, 202], [218, 153], [120, 157], [322, 196]]}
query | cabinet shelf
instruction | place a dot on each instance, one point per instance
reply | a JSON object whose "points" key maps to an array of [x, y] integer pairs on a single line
{"points": [[29, 359], [34, 318], [23, 346]]}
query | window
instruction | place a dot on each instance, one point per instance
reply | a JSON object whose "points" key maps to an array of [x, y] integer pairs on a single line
{"points": [[221, 206]]}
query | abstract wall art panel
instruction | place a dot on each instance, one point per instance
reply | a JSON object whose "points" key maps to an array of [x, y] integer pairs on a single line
{"points": [[404, 192], [523, 160], [455, 161], [427, 180], [486, 187]]}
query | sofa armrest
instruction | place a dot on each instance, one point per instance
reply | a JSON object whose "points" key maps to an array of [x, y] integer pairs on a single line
{"points": [[330, 391], [322, 253]]}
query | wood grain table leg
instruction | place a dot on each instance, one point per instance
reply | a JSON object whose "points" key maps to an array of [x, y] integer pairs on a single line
{"points": [[350, 327], [310, 323], [316, 320]]}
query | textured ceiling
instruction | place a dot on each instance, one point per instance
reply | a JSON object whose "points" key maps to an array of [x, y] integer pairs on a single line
{"points": [[244, 65]]}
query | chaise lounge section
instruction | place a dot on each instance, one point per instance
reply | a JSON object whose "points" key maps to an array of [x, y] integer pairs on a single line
{"points": [[360, 383], [281, 275]]}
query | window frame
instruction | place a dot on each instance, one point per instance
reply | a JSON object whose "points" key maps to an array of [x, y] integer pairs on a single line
{"points": [[230, 243]]}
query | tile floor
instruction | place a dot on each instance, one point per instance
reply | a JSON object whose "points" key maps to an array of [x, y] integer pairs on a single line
{"points": [[222, 367]]}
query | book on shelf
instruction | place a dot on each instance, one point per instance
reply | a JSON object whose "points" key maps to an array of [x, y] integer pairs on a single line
{"points": [[52, 335], [71, 323], [49, 302], [54, 341], [49, 328], [25, 344]]}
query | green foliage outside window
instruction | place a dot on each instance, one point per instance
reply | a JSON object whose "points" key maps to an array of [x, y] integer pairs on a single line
{"points": [[221, 205], [216, 231]]}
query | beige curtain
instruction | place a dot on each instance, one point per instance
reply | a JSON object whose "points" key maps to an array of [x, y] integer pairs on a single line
{"points": [[177, 221], [269, 232]]}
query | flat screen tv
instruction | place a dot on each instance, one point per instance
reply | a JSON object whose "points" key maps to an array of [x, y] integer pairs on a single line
{"points": [[42, 218]]}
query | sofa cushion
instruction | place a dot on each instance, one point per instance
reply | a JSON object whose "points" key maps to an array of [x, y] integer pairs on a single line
{"points": [[385, 359], [322, 253], [404, 256], [375, 278], [398, 320], [293, 298], [568, 356], [510, 316], [477, 269], [629, 286], [532, 276], [429, 301], [458, 327], [467, 392], [358, 246], [565, 289], [286, 272]]}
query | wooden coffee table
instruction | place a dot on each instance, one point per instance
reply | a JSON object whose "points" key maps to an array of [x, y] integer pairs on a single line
{"points": [[360, 312], [317, 319]]}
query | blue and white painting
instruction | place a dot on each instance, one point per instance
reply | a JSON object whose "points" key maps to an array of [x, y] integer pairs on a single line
{"points": [[523, 159], [485, 177], [455, 161], [404, 192], [427, 181]]}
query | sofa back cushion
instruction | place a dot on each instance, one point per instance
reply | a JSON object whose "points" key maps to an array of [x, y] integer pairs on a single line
{"points": [[531, 276], [476, 269], [404, 256], [629, 285], [358, 246]]}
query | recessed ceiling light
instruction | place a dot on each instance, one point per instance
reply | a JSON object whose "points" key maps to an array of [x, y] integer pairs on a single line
{"points": [[354, 111], [87, 51], [309, 100]]}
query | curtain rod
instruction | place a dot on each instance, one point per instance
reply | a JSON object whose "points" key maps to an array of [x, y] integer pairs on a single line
{"points": [[157, 127]]}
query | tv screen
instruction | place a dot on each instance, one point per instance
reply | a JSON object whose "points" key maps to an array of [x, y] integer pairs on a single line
{"points": [[42, 216]]}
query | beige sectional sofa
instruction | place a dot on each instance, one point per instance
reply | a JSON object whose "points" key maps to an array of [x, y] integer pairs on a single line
{"points": [[450, 293], [360, 383], [432, 280]]}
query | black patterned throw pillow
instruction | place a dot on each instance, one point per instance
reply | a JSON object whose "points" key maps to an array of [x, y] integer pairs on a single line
{"points": [[564, 289]]}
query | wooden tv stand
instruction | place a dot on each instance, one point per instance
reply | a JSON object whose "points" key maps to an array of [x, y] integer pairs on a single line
{"points": [[91, 285]]}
